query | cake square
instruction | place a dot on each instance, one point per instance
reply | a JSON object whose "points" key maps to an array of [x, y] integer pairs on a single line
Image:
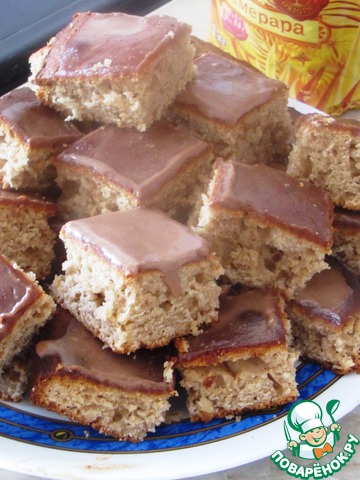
{"points": [[327, 152], [30, 135], [24, 308], [267, 228], [25, 235], [237, 109], [137, 278], [325, 319], [114, 67], [15, 378], [125, 396], [346, 246], [120, 168], [241, 363]]}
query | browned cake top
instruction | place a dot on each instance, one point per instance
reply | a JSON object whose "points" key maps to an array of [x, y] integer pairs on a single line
{"points": [[77, 352], [140, 162], [274, 198], [345, 219], [109, 44], [331, 296], [17, 294], [226, 90], [140, 240], [18, 199], [249, 322], [34, 123], [326, 123]]}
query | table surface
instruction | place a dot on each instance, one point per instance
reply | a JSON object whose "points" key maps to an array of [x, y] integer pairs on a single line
{"points": [[197, 13]]}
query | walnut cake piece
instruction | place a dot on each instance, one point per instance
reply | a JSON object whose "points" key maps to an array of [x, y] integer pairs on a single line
{"points": [[241, 363], [325, 316], [31, 134], [125, 396], [137, 278], [114, 68], [268, 229]]}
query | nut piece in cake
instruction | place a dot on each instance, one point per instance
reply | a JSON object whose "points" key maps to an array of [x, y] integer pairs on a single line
{"points": [[121, 168], [242, 362], [137, 278], [346, 246], [30, 135], [237, 109], [24, 308], [114, 68], [327, 152], [125, 396], [267, 228], [25, 236], [325, 318]]}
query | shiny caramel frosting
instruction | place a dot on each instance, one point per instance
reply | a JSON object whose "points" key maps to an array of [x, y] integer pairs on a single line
{"points": [[17, 295], [140, 162], [249, 322], [34, 123], [333, 296], [140, 240], [23, 200], [274, 198], [78, 353], [225, 89], [109, 44]]}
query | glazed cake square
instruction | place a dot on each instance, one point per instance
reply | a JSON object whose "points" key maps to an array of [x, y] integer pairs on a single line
{"points": [[137, 278], [31, 134], [237, 109], [241, 363], [326, 152], [114, 68], [125, 396], [121, 168], [325, 318], [25, 235], [267, 228], [24, 308]]}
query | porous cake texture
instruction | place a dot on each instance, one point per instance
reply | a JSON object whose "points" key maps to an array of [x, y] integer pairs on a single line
{"points": [[114, 68], [25, 235], [137, 278], [125, 396], [325, 318], [327, 152], [15, 378], [267, 228], [241, 363], [237, 109], [24, 308], [121, 168], [30, 135]]}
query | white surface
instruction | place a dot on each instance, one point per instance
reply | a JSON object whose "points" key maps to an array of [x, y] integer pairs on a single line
{"points": [[217, 456]]}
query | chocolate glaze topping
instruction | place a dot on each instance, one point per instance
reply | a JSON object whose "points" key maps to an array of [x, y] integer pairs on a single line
{"points": [[249, 320], [34, 123], [141, 162], [18, 199], [106, 44], [140, 240], [346, 219], [17, 294], [333, 295], [226, 90], [79, 353], [274, 197]]}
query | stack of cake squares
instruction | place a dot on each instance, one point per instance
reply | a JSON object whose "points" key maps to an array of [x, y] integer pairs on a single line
{"points": [[163, 175]]}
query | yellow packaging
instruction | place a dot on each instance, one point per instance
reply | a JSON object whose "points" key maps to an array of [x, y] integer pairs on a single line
{"points": [[311, 45]]}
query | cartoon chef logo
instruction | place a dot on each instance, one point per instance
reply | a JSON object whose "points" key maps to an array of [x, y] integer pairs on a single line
{"points": [[315, 439]]}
